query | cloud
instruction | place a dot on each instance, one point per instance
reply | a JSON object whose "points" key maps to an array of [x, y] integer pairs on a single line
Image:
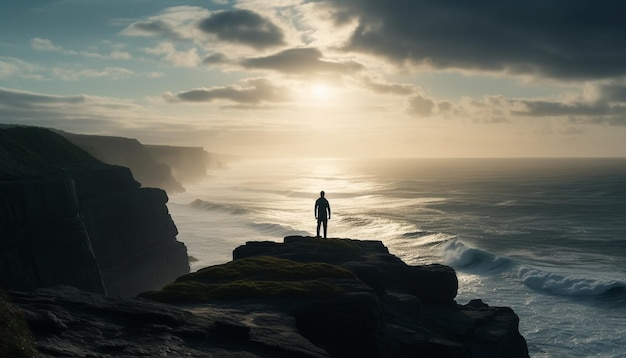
{"points": [[23, 99], [14, 67], [40, 44], [574, 40], [557, 109], [255, 92], [421, 106], [108, 72], [244, 27], [613, 92], [574, 109], [174, 23], [189, 58], [301, 61], [389, 88], [214, 59], [44, 45], [81, 113], [151, 28]]}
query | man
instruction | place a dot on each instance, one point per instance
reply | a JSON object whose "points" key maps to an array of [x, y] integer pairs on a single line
{"points": [[322, 213]]}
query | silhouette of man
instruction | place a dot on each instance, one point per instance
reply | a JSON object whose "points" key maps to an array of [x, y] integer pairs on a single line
{"points": [[322, 213]]}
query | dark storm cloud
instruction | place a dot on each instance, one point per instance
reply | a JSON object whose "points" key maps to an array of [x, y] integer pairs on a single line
{"points": [[259, 90], [576, 39], [300, 61], [244, 27]]}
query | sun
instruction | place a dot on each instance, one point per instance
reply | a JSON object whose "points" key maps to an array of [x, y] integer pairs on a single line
{"points": [[320, 91]]}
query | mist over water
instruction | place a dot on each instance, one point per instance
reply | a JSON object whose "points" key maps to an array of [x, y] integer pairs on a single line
{"points": [[545, 237]]}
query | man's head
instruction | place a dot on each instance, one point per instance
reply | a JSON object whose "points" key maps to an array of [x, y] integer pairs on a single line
{"points": [[322, 193]]}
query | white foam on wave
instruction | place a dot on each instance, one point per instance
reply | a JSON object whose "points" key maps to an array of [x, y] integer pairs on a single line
{"points": [[276, 230], [215, 206], [466, 258], [565, 285], [459, 255]]}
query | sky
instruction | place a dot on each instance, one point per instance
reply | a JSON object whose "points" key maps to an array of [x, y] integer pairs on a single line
{"points": [[349, 78]]}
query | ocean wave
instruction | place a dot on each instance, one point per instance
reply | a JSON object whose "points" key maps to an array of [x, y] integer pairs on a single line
{"points": [[213, 206], [276, 230], [466, 258], [459, 255], [355, 221], [565, 285]]}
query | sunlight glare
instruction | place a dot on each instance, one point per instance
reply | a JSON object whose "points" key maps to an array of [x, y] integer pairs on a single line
{"points": [[320, 91]]}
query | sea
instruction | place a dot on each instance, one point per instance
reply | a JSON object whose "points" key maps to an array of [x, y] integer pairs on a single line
{"points": [[546, 237]]}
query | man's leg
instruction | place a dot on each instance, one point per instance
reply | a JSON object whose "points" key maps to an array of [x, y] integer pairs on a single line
{"points": [[319, 222], [325, 226]]}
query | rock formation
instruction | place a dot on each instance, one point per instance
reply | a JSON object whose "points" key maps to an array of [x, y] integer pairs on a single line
{"points": [[305, 297], [67, 218]]}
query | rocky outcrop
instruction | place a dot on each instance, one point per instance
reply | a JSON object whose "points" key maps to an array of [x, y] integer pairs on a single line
{"points": [[67, 218], [269, 306], [409, 310]]}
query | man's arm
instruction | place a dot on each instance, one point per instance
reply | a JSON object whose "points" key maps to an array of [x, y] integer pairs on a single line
{"points": [[315, 209], [329, 211]]}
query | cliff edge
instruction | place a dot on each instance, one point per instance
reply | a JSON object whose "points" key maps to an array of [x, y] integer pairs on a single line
{"points": [[304, 297], [67, 218]]}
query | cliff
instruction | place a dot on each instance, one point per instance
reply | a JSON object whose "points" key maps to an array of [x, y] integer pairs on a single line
{"points": [[161, 166], [189, 164], [304, 297], [67, 218], [129, 153]]}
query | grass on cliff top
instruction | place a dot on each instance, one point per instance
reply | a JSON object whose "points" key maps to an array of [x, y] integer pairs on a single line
{"points": [[39, 146], [254, 277], [266, 268], [15, 338]]}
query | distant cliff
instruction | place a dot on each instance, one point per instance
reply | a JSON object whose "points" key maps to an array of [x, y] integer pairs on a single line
{"points": [[68, 218], [189, 164], [129, 153], [160, 166]]}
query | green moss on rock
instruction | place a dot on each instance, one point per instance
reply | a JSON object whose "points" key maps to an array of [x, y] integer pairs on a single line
{"points": [[266, 268], [255, 277]]}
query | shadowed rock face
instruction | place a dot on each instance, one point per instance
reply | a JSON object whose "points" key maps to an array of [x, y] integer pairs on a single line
{"points": [[67, 218]]}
